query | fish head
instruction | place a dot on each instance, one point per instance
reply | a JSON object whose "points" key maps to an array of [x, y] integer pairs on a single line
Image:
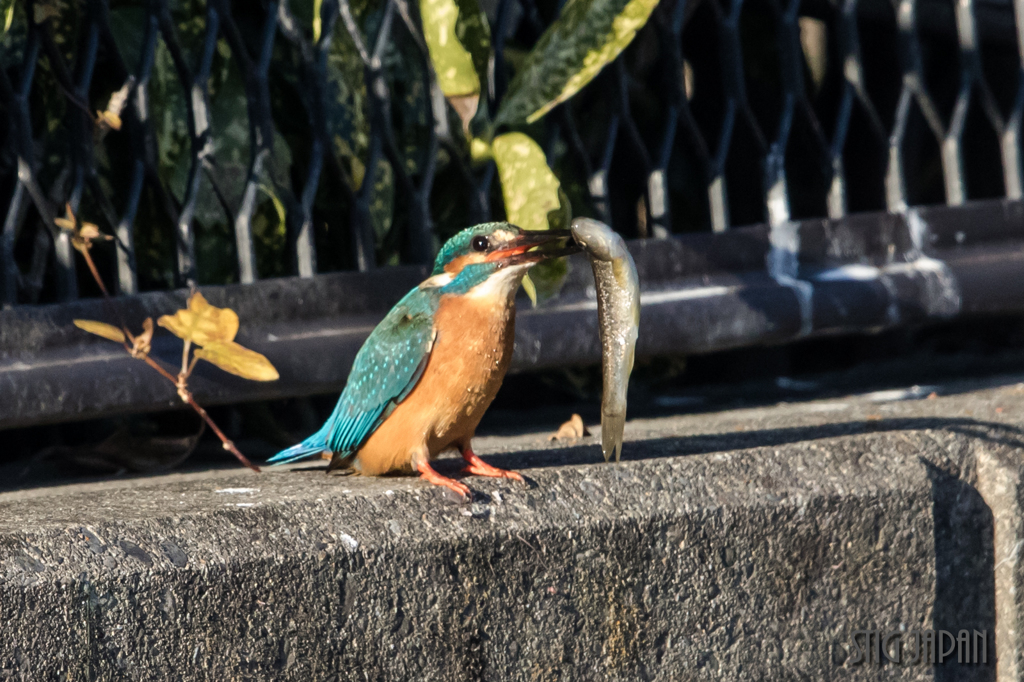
{"points": [[599, 240]]}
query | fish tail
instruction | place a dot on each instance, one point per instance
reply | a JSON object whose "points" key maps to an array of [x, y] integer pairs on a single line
{"points": [[612, 427], [313, 445]]}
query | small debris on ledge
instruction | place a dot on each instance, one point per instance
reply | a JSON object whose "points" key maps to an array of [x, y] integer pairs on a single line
{"points": [[570, 430]]}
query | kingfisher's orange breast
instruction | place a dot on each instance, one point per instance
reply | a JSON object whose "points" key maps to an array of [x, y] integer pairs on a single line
{"points": [[468, 361]]}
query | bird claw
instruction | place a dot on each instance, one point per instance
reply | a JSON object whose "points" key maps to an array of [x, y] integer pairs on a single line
{"points": [[493, 472], [428, 474], [478, 467]]}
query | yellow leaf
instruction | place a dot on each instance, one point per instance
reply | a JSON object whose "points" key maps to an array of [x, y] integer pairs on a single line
{"points": [[534, 200], [238, 360], [529, 187], [68, 222], [452, 62], [109, 119], [107, 331], [480, 150], [143, 342], [91, 231], [202, 323]]}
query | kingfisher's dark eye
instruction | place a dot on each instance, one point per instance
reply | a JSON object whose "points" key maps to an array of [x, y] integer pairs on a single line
{"points": [[480, 243]]}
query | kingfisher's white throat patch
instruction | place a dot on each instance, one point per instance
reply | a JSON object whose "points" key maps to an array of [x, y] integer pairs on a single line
{"points": [[437, 281], [502, 284]]}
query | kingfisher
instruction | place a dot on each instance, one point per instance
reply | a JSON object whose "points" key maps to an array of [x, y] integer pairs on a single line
{"points": [[427, 373]]}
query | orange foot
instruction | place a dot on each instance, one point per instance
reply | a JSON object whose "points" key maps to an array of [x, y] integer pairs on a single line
{"points": [[428, 474], [481, 468]]}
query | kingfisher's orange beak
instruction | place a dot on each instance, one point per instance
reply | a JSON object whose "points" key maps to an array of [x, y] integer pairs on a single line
{"points": [[517, 250]]}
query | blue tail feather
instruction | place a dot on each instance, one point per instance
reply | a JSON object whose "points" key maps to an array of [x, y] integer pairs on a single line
{"points": [[313, 445]]}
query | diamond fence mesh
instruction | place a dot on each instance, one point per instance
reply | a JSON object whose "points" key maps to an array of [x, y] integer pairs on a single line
{"points": [[263, 139]]}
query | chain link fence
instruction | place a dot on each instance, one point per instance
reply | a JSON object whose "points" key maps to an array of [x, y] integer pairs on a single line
{"points": [[259, 140]]}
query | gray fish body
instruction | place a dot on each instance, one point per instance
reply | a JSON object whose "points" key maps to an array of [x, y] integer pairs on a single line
{"points": [[618, 314]]}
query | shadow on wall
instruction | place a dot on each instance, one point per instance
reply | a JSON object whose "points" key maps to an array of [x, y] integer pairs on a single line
{"points": [[965, 591]]}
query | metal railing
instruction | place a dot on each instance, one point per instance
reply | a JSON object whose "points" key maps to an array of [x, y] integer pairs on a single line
{"points": [[721, 113]]}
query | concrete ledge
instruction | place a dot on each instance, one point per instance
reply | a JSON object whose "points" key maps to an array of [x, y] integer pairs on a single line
{"points": [[743, 545]]}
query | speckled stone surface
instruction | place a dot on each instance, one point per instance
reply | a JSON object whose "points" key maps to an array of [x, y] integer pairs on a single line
{"points": [[742, 545]]}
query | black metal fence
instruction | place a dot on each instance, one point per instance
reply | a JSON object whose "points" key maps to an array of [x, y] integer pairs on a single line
{"points": [[721, 113]]}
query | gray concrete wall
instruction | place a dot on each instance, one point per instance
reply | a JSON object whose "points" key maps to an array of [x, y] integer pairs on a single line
{"points": [[744, 545]]}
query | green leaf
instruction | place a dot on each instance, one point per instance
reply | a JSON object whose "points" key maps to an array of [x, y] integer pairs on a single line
{"points": [[453, 63], [530, 289], [229, 117], [474, 32], [128, 26], [546, 279], [278, 170], [317, 23], [534, 200], [588, 36], [278, 204], [269, 227], [355, 165], [459, 41], [7, 9], [382, 201], [347, 108]]}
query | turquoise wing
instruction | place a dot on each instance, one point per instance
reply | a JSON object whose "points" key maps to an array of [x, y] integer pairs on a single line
{"points": [[385, 371]]}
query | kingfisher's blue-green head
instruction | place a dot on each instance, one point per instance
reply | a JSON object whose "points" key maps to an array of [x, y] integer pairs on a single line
{"points": [[498, 251], [495, 253]]}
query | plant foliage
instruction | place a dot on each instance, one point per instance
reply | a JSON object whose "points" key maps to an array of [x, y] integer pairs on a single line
{"points": [[588, 36]]}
